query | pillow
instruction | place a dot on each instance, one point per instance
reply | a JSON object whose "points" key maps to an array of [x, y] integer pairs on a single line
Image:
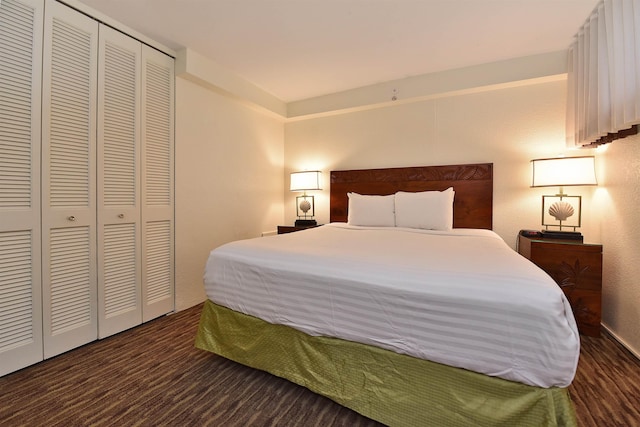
{"points": [[430, 210], [375, 211]]}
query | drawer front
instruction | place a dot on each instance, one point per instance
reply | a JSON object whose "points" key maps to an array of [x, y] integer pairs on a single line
{"points": [[577, 269]]}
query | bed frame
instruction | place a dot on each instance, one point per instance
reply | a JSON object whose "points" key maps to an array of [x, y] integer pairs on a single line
{"points": [[473, 184], [395, 389]]}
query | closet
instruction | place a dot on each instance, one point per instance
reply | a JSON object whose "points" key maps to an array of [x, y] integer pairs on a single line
{"points": [[86, 181]]}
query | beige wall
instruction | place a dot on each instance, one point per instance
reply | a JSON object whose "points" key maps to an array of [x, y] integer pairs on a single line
{"points": [[617, 205], [217, 138], [507, 127], [229, 180]]}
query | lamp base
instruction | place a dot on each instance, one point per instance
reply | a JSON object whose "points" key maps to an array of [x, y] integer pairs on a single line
{"points": [[562, 235], [305, 222]]}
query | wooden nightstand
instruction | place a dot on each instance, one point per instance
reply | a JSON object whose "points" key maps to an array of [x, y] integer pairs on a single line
{"points": [[577, 269], [282, 229]]}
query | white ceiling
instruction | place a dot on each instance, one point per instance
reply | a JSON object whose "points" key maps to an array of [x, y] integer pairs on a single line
{"points": [[298, 49]]}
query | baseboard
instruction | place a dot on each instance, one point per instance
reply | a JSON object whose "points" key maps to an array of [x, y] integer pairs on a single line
{"points": [[621, 341]]}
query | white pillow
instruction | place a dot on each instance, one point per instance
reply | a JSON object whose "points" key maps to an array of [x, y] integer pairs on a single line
{"points": [[372, 211], [430, 210]]}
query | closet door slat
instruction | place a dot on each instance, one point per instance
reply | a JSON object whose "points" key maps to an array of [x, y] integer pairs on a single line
{"points": [[69, 179], [119, 234], [21, 24], [157, 184]]}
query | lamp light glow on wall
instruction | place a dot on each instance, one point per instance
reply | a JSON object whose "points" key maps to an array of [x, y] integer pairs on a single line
{"points": [[562, 210], [305, 208]]}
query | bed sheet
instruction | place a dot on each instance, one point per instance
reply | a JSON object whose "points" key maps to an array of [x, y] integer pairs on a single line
{"points": [[461, 298]]}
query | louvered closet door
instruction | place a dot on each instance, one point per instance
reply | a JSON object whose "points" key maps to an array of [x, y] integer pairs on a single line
{"points": [[119, 252], [20, 279], [157, 184], [69, 179]]}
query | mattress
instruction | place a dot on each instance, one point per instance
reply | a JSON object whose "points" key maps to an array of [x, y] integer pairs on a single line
{"points": [[462, 298]]}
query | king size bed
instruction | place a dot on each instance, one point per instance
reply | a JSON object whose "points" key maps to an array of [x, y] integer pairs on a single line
{"points": [[406, 308]]}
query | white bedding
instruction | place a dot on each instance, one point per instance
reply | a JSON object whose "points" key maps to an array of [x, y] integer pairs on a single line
{"points": [[461, 298]]}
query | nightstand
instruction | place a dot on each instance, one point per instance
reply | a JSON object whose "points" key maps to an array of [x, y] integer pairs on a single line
{"points": [[577, 269], [282, 229]]}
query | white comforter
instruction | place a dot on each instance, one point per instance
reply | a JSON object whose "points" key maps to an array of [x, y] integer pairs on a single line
{"points": [[461, 298]]}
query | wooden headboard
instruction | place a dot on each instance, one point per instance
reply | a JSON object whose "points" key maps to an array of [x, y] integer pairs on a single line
{"points": [[473, 184]]}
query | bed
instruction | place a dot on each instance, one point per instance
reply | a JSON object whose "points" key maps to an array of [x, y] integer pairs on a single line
{"points": [[409, 318]]}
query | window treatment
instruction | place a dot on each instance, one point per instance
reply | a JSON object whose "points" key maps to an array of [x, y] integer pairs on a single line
{"points": [[603, 100]]}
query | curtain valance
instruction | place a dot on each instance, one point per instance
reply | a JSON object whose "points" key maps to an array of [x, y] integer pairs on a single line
{"points": [[603, 101]]}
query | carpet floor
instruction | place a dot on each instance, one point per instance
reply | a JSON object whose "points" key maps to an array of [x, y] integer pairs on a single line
{"points": [[152, 375]]}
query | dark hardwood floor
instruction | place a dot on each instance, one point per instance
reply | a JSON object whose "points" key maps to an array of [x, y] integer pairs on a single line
{"points": [[153, 375]]}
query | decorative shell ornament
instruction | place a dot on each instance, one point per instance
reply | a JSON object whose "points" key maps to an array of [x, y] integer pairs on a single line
{"points": [[305, 206], [561, 210]]}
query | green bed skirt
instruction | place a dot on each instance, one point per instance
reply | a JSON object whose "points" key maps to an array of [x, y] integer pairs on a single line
{"points": [[394, 389]]}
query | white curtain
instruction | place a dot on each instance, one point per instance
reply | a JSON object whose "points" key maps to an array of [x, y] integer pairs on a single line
{"points": [[604, 73]]}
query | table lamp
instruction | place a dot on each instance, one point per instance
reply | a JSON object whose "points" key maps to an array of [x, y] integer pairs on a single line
{"points": [[561, 210], [305, 209]]}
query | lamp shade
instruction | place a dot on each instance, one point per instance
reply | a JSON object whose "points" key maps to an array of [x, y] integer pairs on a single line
{"points": [[563, 171], [306, 180]]}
